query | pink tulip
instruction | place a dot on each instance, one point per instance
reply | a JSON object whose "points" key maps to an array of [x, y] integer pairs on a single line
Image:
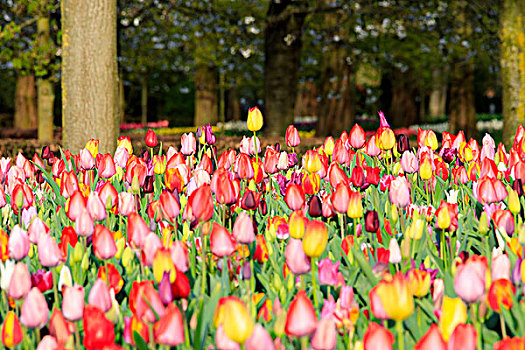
{"points": [[151, 244], [106, 166], [463, 338], [325, 336], [37, 228], [500, 267], [395, 252], [84, 225], [469, 282], [104, 245], [179, 256], [95, 207], [126, 203], [357, 137], [48, 343], [259, 340], [73, 302], [243, 229], [222, 342], [376, 307], [188, 144], [169, 330], [438, 291], [221, 241], [170, 205], [99, 295], [300, 318], [296, 259], [34, 310], [377, 338], [432, 340], [18, 244], [137, 230], [400, 192], [49, 254], [86, 161], [121, 156], [20, 283], [409, 162], [328, 272]]}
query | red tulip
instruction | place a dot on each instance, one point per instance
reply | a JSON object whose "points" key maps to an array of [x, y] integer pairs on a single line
{"points": [[34, 310], [143, 299], [98, 330], [336, 175], [104, 245], [377, 338], [169, 330], [105, 166], [224, 188], [271, 158], [300, 318], [341, 198], [151, 138], [292, 137], [244, 167], [357, 137], [180, 288], [68, 183], [95, 207], [22, 197], [294, 196], [68, 238], [169, 204], [515, 343], [201, 203], [112, 277], [464, 337], [432, 340], [490, 190], [42, 280], [500, 293], [137, 230], [222, 242]]}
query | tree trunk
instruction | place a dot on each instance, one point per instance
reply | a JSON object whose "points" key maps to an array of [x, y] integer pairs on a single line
{"points": [[403, 110], [144, 100], [306, 102], [89, 73], [438, 96], [282, 50], [512, 37], [234, 105], [206, 102], [45, 88], [121, 98], [462, 107], [25, 103]]}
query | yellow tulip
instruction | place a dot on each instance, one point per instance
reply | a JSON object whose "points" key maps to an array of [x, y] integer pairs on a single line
{"points": [[415, 230], [296, 225], [315, 239], [513, 201], [419, 282], [255, 119], [396, 297], [92, 147], [237, 321], [329, 145], [483, 226], [453, 312], [443, 218], [127, 257], [163, 263], [425, 169]]}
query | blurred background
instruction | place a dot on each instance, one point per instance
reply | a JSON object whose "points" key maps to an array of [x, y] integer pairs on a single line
{"points": [[322, 65]]}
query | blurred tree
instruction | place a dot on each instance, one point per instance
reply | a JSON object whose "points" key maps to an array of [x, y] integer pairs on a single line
{"points": [[512, 36], [89, 73]]}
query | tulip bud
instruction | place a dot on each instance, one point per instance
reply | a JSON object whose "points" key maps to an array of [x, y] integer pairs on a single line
{"points": [[315, 208], [296, 225], [135, 186], [518, 187], [513, 201], [415, 230], [85, 262], [121, 244], [127, 257], [443, 218], [402, 143], [394, 214], [483, 226]]}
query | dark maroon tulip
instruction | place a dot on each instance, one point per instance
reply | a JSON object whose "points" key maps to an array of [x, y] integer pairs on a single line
{"points": [[402, 143], [449, 154], [371, 221], [46, 152], [263, 207], [148, 184], [315, 207], [518, 187]]}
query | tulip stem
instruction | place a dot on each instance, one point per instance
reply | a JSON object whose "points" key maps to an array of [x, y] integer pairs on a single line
{"points": [[255, 147], [151, 334], [55, 290], [400, 336], [341, 223], [477, 325], [77, 335], [314, 285], [37, 334], [203, 263], [503, 328]]}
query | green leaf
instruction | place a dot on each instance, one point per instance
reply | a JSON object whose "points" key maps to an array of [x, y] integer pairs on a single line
{"points": [[139, 342]]}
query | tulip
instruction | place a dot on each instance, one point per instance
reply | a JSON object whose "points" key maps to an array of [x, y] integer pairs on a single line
{"points": [[84, 225], [300, 318], [259, 340], [409, 162], [180, 289], [179, 255], [469, 281], [108, 195], [296, 260], [68, 183], [65, 278], [328, 272], [515, 343], [400, 192], [106, 166], [243, 230], [371, 221], [69, 238], [355, 205], [315, 207], [255, 119], [490, 190], [236, 320], [500, 294], [377, 338], [292, 137], [6, 272], [126, 203], [453, 313], [396, 297], [203, 207], [98, 330], [432, 340], [325, 336], [143, 300], [18, 244], [104, 245], [162, 263], [170, 205], [73, 302], [99, 295], [151, 138], [96, 207], [169, 330], [376, 306], [137, 230], [60, 328], [315, 239], [77, 204], [92, 147], [121, 156], [464, 337], [385, 138], [500, 267], [49, 255], [34, 310], [340, 198], [357, 137], [297, 224], [222, 242], [20, 282], [12, 333], [37, 228]]}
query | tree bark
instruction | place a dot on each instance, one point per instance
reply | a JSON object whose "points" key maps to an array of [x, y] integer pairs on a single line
{"points": [[45, 88], [306, 103], [403, 109], [25, 102], [438, 96], [512, 37], [121, 98], [89, 73], [282, 49], [234, 105], [206, 101], [144, 100], [462, 104]]}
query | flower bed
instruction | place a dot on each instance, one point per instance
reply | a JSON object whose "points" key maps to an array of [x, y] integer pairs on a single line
{"points": [[360, 243]]}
